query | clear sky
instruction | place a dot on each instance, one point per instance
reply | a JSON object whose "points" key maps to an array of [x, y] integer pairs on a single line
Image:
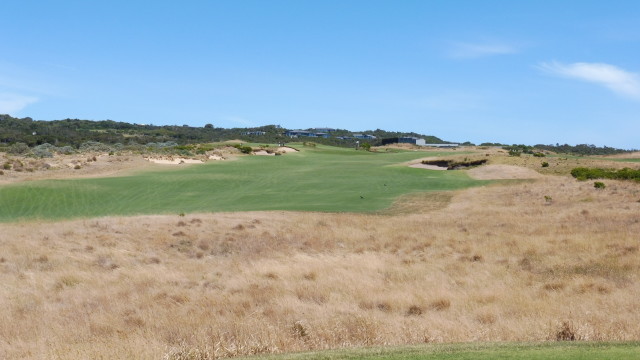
{"points": [[508, 71]]}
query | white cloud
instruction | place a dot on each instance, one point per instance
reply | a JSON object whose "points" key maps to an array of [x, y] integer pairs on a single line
{"points": [[471, 51], [615, 79], [12, 103]]}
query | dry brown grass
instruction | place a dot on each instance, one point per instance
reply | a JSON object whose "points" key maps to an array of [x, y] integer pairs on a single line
{"points": [[497, 263]]}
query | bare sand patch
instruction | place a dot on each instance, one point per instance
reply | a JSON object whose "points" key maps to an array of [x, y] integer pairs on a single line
{"points": [[428, 167], [502, 172], [216, 157], [173, 161], [286, 149], [263, 153]]}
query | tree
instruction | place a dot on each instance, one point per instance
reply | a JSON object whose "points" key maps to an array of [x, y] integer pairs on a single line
{"points": [[208, 126]]}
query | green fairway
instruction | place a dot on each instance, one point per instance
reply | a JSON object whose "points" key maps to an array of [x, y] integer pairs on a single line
{"points": [[526, 351], [314, 179]]}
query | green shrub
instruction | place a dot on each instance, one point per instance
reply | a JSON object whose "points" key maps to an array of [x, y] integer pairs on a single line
{"points": [[243, 149], [545, 164], [599, 185], [18, 149], [514, 153], [66, 150], [539, 154], [583, 173], [44, 151]]}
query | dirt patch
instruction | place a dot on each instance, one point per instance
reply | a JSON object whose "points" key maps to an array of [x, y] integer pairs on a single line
{"points": [[500, 172], [286, 149], [263, 153], [173, 161], [428, 167]]}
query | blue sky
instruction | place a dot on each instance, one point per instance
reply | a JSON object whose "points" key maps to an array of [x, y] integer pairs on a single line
{"points": [[501, 71]]}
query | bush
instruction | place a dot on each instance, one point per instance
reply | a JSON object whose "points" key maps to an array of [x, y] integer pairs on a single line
{"points": [[65, 150], [545, 164], [244, 149], [583, 174], [44, 151], [514, 153], [599, 185], [539, 154], [95, 146], [18, 149]]}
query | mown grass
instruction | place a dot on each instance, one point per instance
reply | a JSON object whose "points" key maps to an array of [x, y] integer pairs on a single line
{"points": [[479, 351], [314, 179]]}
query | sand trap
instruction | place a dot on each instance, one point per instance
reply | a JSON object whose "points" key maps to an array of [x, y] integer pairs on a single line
{"points": [[174, 161], [215, 157], [263, 153], [286, 149], [500, 172], [428, 167]]}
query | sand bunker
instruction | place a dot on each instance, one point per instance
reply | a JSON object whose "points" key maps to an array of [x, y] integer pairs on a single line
{"points": [[263, 153], [173, 161], [428, 167], [215, 157], [500, 172], [286, 149]]}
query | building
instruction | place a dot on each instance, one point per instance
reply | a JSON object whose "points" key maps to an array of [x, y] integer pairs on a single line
{"points": [[324, 130], [364, 136], [411, 140], [442, 145], [253, 133], [298, 133]]}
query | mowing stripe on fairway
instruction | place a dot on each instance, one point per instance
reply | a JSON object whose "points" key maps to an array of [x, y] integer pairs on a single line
{"points": [[315, 179]]}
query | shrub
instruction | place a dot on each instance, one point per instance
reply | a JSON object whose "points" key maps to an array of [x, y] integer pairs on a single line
{"points": [[44, 150], [243, 149], [94, 146], [18, 149], [366, 146], [545, 164], [66, 150], [539, 154], [566, 332], [583, 173], [7, 166], [599, 185], [514, 153]]}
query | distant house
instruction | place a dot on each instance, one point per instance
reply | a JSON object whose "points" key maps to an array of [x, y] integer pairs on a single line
{"points": [[411, 140], [364, 136], [298, 133], [253, 133], [324, 130], [442, 145], [415, 141]]}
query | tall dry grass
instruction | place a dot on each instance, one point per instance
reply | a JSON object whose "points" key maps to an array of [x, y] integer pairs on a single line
{"points": [[498, 263]]}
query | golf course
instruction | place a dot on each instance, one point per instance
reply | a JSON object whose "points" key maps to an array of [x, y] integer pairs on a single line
{"points": [[318, 178]]}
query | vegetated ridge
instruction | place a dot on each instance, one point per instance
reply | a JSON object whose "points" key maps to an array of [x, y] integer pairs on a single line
{"points": [[75, 132]]}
